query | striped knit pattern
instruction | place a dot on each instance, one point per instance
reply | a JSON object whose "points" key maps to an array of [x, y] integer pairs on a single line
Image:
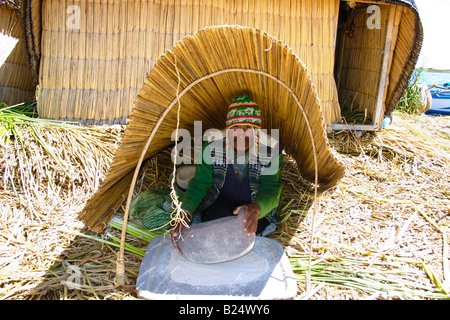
{"points": [[255, 168], [243, 110]]}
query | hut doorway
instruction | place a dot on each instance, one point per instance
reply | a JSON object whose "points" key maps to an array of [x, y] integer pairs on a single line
{"points": [[365, 42]]}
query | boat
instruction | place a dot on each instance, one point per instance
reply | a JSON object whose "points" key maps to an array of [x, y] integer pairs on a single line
{"points": [[440, 99]]}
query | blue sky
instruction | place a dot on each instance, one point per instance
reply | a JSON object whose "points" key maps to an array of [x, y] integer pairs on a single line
{"points": [[435, 17]]}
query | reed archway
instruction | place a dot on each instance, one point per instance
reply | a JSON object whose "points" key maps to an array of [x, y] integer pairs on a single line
{"points": [[203, 73]]}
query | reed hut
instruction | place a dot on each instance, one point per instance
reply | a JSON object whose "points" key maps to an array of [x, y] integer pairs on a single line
{"points": [[16, 82], [95, 55], [142, 62], [377, 47]]}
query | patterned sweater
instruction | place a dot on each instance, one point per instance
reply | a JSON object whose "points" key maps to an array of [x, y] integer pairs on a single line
{"points": [[264, 181]]}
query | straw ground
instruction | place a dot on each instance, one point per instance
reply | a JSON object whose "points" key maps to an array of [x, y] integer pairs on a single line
{"points": [[381, 234]]}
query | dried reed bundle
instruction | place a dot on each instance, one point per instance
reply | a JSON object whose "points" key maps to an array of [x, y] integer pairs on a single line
{"points": [[342, 269], [47, 173], [380, 280], [390, 208], [371, 234], [40, 165]]}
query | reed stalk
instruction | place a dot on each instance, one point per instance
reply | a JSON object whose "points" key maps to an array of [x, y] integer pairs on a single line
{"points": [[385, 225], [377, 279]]}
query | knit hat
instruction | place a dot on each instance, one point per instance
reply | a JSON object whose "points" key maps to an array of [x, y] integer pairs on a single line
{"points": [[243, 110]]}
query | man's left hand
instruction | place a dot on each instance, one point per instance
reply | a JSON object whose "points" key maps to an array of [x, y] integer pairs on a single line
{"points": [[251, 217]]}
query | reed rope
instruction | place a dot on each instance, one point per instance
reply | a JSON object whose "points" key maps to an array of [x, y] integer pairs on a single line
{"points": [[120, 271], [178, 215]]}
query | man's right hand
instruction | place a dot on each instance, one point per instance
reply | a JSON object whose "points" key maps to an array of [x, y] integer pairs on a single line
{"points": [[175, 234]]}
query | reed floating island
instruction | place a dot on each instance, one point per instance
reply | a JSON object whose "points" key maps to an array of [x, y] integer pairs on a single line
{"points": [[130, 63]]}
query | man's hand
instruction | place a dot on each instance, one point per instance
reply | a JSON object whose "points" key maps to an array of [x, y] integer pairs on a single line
{"points": [[251, 217], [175, 234]]}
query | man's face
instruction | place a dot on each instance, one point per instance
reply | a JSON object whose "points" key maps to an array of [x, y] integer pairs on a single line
{"points": [[240, 136]]}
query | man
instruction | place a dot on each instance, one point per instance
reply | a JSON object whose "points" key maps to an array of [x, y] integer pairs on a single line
{"points": [[237, 172]]}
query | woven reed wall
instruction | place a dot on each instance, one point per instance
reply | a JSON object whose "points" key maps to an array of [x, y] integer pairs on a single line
{"points": [[16, 82], [361, 62], [93, 74], [214, 65]]}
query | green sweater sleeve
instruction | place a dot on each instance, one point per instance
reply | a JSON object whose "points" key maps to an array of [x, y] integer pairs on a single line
{"points": [[200, 183], [269, 192]]}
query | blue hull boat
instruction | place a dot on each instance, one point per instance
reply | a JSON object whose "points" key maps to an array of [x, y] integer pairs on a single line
{"points": [[440, 100]]}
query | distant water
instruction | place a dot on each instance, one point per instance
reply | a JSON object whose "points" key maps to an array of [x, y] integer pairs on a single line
{"points": [[431, 78]]}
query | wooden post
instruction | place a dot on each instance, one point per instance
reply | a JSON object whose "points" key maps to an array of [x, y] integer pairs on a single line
{"points": [[384, 70]]}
